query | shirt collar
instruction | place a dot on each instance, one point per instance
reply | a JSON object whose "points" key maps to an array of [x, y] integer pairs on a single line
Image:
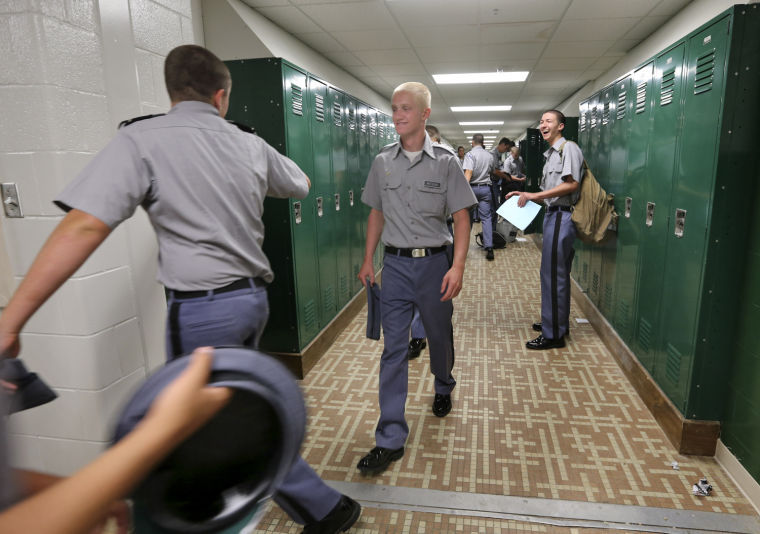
{"points": [[427, 147], [190, 106], [556, 146]]}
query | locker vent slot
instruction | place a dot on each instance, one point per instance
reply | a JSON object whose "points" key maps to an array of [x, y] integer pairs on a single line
{"points": [[296, 99], [381, 130], [623, 315], [583, 122], [328, 296], [668, 87], [372, 127], [703, 80], [363, 122], [310, 316], [607, 297], [345, 290], [621, 105], [595, 283], [337, 114], [593, 117], [673, 365], [319, 108], [351, 119], [645, 335], [606, 114], [584, 276], [641, 97]]}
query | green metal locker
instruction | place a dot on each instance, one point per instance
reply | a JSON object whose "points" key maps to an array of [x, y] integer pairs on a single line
{"points": [[357, 219], [606, 251], [339, 139]]}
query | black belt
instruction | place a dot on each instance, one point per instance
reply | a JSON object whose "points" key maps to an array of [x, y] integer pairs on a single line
{"points": [[480, 185], [414, 252], [559, 208], [243, 283]]}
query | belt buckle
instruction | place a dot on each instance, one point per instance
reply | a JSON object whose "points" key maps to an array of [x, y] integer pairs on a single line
{"points": [[418, 253]]}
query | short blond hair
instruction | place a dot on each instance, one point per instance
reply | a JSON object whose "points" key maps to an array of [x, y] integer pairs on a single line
{"points": [[419, 90]]}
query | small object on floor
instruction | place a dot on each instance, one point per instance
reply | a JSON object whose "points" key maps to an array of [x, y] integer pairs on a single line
{"points": [[340, 518], [675, 466], [521, 239], [416, 345], [378, 460], [702, 488], [581, 320], [489, 254], [441, 405], [544, 343]]}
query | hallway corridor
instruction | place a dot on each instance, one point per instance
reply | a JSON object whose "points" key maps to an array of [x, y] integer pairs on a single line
{"points": [[554, 441]]}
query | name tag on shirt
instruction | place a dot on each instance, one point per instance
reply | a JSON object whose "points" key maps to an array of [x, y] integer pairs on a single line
{"points": [[434, 185]]}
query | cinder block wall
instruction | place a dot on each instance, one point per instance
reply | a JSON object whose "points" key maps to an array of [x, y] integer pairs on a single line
{"points": [[72, 69]]}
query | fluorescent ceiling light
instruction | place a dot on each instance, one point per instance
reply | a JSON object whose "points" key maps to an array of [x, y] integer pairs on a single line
{"points": [[481, 77], [480, 108], [481, 123], [481, 131]]}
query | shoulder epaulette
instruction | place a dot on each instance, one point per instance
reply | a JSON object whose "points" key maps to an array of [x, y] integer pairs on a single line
{"points": [[243, 127], [389, 146], [448, 149], [127, 122]]}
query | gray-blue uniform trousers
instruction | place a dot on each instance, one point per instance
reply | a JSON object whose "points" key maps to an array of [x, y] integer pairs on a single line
{"points": [[415, 198], [559, 235], [202, 182], [480, 162]]}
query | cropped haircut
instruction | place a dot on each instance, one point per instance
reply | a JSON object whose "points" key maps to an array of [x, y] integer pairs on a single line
{"points": [[506, 141], [560, 116], [193, 73], [478, 139], [420, 91], [433, 132]]}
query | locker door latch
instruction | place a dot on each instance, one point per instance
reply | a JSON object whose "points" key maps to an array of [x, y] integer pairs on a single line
{"points": [[351, 198], [320, 211], [337, 201], [650, 213], [680, 222], [11, 202], [628, 203], [297, 212]]}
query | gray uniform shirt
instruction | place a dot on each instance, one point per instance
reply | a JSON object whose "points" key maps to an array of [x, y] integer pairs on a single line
{"points": [[480, 163], [514, 166], [556, 166], [202, 182], [415, 198]]}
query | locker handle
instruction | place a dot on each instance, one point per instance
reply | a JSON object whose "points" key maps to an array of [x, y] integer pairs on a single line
{"points": [[680, 222], [351, 198], [297, 212], [320, 212], [628, 204], [337, 201], [650, 213]]}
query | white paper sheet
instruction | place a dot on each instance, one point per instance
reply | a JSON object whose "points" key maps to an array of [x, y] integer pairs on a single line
{"points": [[520, 217]]}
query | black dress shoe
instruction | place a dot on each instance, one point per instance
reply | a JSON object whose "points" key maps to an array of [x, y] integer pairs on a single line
{"points": [[441, 405], [378, 460], [489, 254], [340, 518], [415, 347], [543, 343]]}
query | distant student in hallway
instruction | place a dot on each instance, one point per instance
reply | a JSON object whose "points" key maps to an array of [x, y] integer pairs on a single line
{"points": [[477, 169], [560, 188], [412, 186]]}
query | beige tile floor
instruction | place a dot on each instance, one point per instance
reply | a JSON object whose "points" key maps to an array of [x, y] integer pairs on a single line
{"points": [[560, 424]]}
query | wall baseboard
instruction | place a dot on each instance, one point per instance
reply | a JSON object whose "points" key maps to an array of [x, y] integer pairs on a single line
{"points": [[739, 475]]}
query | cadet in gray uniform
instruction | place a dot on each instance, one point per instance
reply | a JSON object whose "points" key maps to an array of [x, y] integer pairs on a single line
{"points": [[477, 169], [411, 187], [202, 182], [560, 188], [514, 168]]}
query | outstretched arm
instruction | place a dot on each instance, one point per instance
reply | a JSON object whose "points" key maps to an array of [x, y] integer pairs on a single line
{"points": [[67, 248]]}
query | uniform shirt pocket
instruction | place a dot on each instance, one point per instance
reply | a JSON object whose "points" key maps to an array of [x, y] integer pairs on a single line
{"points": [[390, 191], [431, 197]]}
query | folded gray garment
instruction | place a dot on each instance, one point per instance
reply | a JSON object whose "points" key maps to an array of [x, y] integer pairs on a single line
{"points": [[30, 391], [373, 310]]}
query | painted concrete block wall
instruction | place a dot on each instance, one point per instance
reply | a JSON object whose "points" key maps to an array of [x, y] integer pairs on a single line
{"points": [[66, 82]]}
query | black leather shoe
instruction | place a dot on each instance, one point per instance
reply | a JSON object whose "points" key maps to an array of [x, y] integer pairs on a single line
{"points": [[416, 345], [378, 460], [543, 343], [537, 328], [340, 518], [441, 405], [489, 254]]}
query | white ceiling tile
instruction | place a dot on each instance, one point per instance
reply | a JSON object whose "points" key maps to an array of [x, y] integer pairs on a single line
{"points": [[511, 51], [668, 8], [603, 29], [371, 39], [598, 9], [556, 75], [361, 70], [317, 2], [344, 59], [426, 13], [440, 54], [445, 36], [526, 32], [290, 18], [569, 63], [410, 69], [400, 56], [481, 94], [351, 16], [501, 11], [264, 3], [480, 66], [605, 63], [622, 46], [646, 27], [576, 49], [321, 42]]}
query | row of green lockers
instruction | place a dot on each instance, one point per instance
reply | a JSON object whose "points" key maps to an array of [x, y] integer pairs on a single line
{"points": [[673, 141], [315, 245]]}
